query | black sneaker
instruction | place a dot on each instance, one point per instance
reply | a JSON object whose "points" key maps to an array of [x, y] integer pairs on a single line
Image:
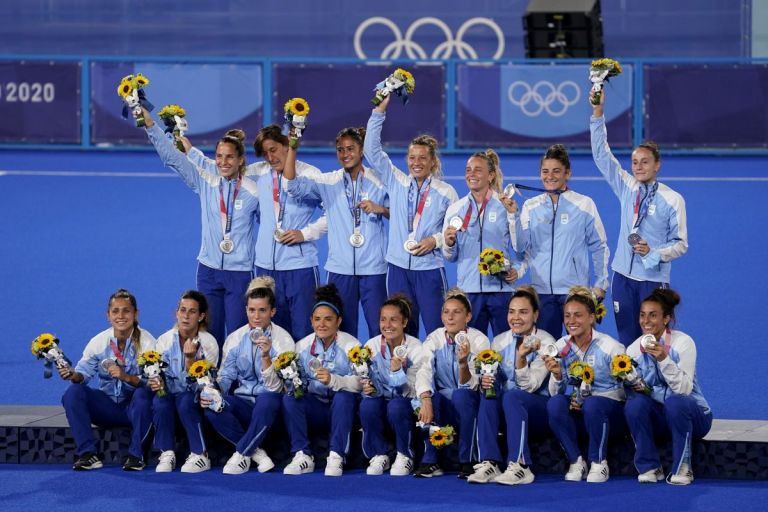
{"points": [[466, 470], [428, 471], [87, 461], [133, 464]]}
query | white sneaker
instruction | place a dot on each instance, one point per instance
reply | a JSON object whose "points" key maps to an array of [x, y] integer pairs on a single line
{"points": [[196, 463], [301, 463], [577, 471], [485, 472], [682, 477], [237, 464], [515, 474], [262, 460], [334, 464], [403, 465], [651, 476], [166, 463], [378, 465], [598, 472]]}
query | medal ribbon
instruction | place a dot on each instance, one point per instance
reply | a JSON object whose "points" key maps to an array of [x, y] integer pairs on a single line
{"points": [[413, 220], [224, 210], [332, 353], [641, 206], [116, 350], [278, 199], [480, 211], [352, 196]]}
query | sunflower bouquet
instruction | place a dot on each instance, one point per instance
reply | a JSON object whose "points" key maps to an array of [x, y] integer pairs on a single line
{"points": [[493, 262], [360, 358], [131, 89], [175, 121], [152, 365], [623, 367], [599, 73], [204, 374], [581, 376], [487, 363], [46, 346], [295, 115], [401, 82], [440, 437], [287, 366]]}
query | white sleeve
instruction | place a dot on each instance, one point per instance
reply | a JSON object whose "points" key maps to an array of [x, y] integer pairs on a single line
{"points": [[679, 376]]}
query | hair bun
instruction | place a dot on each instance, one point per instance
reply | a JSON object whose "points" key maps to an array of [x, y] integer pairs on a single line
{"points": [[261, 282], [236, 133]]}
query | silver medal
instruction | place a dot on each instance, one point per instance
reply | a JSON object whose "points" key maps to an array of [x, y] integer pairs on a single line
{"points": [[647, 341], [410, 244], [279, 232], [357, 239], [456, 222], [255, 334], [227, 246], [634, 239], [510, 190], [400, 352]]}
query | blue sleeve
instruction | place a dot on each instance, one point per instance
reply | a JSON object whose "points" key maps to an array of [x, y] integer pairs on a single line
{"points": [[173, 158], [303, 188], [607, 164], [374, 153]]}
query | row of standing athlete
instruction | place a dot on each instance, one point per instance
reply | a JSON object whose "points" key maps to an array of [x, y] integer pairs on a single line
{"points": [[551, 237]]}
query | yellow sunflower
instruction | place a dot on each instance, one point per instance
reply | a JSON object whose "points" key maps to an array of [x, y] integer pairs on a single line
{"points": [[576, 369], [284, 359], [354, 354], [43, 343], [366, 354], [125, 88], [488, 356], [149, 357], [588, 375], [297, 106], [484, 269], [438, 439], [141, 80], [600, 311], [169, 111], [407, 77], [199, 369], [621, 365]]}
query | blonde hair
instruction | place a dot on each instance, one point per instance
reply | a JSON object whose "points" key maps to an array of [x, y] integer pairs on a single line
{"points": [[431, 144], [583, 295], [458, 294], [261, 282], [492, 159]]}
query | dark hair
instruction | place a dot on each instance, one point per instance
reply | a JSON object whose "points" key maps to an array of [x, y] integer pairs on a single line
{"points": [[527, 292], [667, 298], [652, 147], [459, 295], [402, 303], [269, 132], [328, 295], [262, 287], [202, 305], [559, 153], [431, 144], [356, 134], [492, 158], [235, 137], [122, 293], [583, 295]]}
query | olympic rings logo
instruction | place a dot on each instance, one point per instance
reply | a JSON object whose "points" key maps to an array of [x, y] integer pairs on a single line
{"points": [[543, 97], [414, 50]]}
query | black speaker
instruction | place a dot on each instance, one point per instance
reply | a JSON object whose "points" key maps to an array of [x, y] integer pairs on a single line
{"points": [[563, 29]]}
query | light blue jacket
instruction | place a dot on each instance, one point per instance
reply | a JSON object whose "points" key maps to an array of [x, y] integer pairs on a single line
{"points": [[664, 228], [270, 254], [409, 381], [333, 189], [494, 234], [557, 239], [334, 359], [242, 363], [209, 185], [175, 375], [404, 196], [676, 374], [99, 349], [533, 377], [442, 365], [599, 355]]}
